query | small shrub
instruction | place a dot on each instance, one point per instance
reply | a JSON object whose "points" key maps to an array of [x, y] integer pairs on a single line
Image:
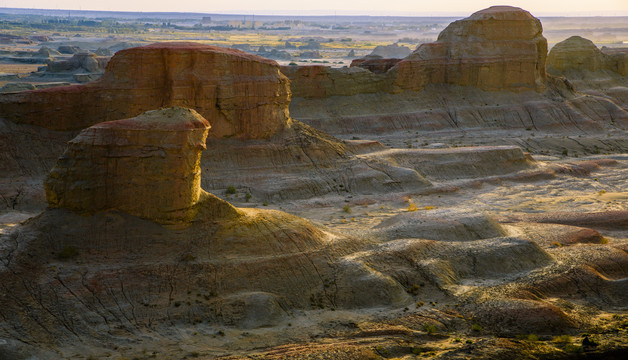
{"points": [[570, 348], [469, 341], [533, 337], [429, 207], [476, 327], [247, 197], [420, 303], [230, 190], [412, 208], [556, 244], [346, 209], [562, 339], [265, 203], [429, 328]]}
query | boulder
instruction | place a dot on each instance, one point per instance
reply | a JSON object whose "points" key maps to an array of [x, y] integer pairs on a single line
{"points": [[245, 95], [147, 166], [499, 48]]}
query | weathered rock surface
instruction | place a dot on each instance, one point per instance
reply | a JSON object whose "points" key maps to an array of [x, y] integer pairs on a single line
{"points": [[377, 66], [147, 166], [253, 104], [575, 53], [485, 72], [499, 48], [90, 63], [391, 51]]}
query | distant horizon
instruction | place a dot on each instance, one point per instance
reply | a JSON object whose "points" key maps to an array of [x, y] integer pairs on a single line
{"points": [[410, 8], [330, 13]]}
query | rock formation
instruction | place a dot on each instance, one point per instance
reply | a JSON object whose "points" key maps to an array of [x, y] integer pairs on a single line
{"points": [[253, 104], [147, 166], [391, 51], [499, 48], [576, 55], [484, 72], [375, 65]]}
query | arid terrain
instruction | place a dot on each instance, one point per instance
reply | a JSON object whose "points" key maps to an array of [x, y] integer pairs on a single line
{"points": [[196, 187]]}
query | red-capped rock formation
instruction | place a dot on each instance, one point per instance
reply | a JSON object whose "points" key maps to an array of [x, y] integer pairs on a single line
{"points": [[244, 95], [147, 166], [499, 48]]}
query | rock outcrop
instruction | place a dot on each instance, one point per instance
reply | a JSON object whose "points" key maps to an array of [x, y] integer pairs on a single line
{"points": [[147, 166], [499, 48], [376, 65], [244, 95], [391, 51], [576, 55], [485, 72]]}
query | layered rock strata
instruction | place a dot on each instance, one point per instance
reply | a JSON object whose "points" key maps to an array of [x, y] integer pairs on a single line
{"points": [[244, 95], [499, 48], [577, 54], [147, 166]]}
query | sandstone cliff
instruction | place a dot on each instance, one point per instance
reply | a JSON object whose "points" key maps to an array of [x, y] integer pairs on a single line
{"points": [[484, 73], [253, 104], [147, 166], [499, 48]]}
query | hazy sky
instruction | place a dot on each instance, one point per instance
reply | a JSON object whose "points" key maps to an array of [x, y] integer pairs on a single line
{"points": [[353, 7]]}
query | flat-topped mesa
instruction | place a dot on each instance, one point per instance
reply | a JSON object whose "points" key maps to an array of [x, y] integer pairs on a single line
{"points": [[243, 95], [499, 48], [147, 166]]}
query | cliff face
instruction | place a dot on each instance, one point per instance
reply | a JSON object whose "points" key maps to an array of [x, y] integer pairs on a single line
{"points": [[147, 166], [575, 53], [245, 95], [499, 48]]}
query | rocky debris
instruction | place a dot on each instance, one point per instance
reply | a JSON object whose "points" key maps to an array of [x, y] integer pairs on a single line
{"points": [[16, 87], [147, 166], [14, 39], [252, 105], [310, 55], [499, 48], [274, 54], [312, 44], [86, 62], [375, 65], [40, 38], [46, 52], [391, 51], [69, 49], [103, 52]]}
